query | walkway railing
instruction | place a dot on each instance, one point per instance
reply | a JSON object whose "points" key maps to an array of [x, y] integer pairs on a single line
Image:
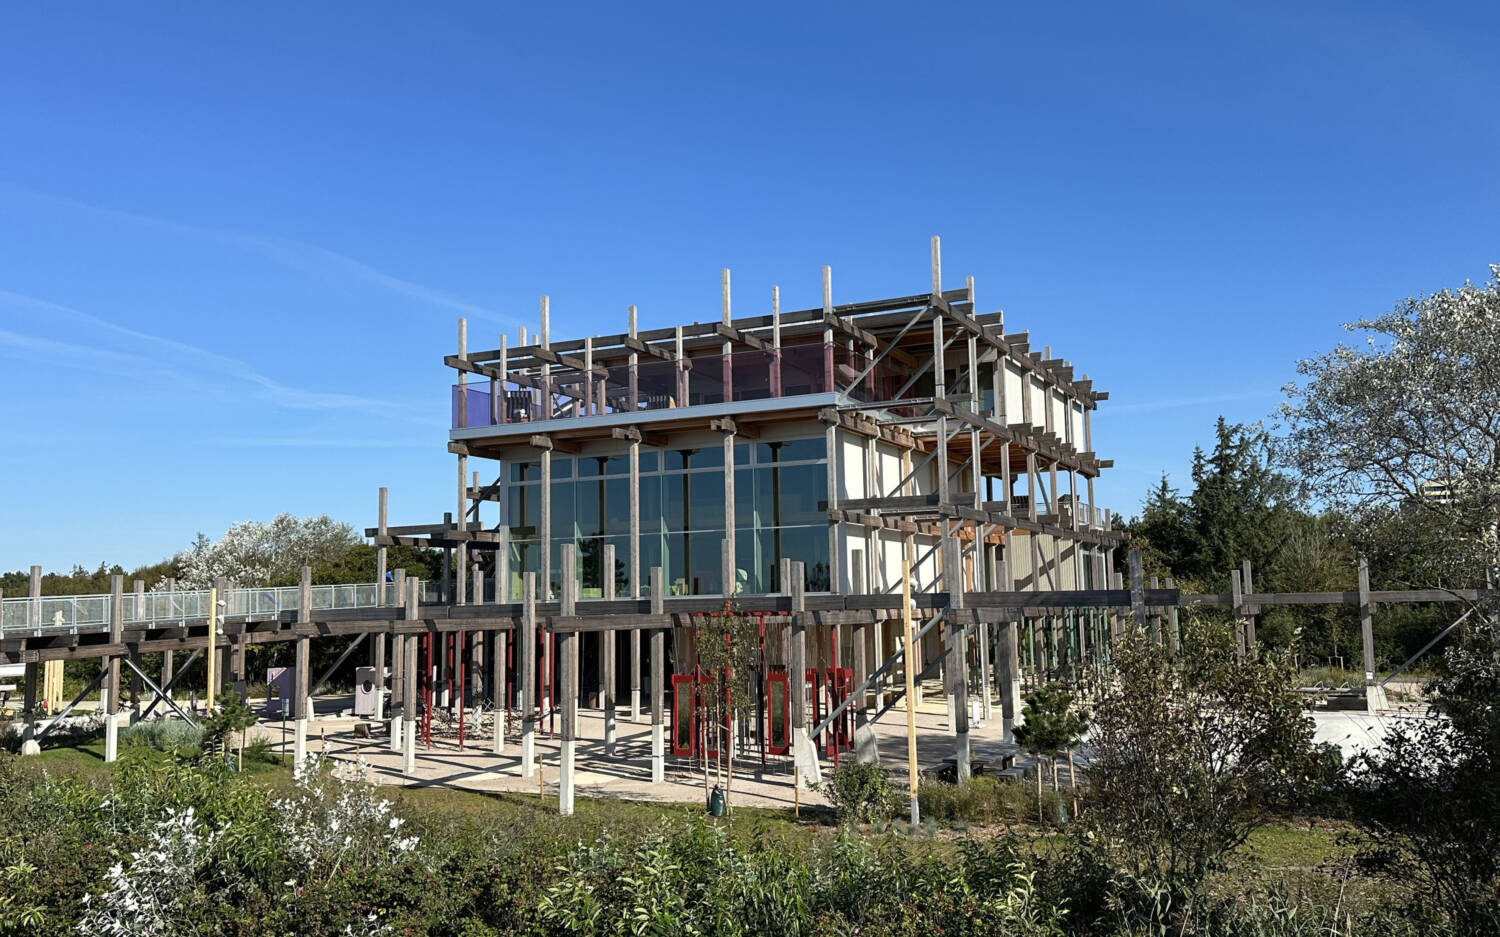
{"points": [[92, 612]]}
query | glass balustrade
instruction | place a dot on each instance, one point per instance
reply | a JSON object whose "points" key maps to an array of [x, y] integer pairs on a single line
{"points": [[792, 371]]}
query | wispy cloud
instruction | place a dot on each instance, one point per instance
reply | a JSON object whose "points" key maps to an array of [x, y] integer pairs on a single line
{"points": [[117, 362], [1179, 402], [297, 254], [191, 358]]}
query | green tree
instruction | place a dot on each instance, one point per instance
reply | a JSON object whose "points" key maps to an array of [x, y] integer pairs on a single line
{"points": [[1240, 508], [1163, 532], [728, 652], [1051, 727], [229, 715]]}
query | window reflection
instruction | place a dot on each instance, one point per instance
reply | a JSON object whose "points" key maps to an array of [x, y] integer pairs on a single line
{"points": [[779, 487]]}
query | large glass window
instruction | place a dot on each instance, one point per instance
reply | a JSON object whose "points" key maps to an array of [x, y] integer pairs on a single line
{"points": [[524, 508], [779, 487], [602, 506], [563, 517]]}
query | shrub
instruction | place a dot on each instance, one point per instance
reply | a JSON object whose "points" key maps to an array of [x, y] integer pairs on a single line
{"points": [[164, 735], [861, 793], [1189, 757], [1429, 796], [984, 800]]}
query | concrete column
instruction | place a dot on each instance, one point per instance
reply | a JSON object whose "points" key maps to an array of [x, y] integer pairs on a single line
{"points": [[658, 680], [111, 736]]}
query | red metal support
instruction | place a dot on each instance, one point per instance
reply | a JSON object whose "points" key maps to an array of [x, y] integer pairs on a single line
{"points": [[462, 688]]}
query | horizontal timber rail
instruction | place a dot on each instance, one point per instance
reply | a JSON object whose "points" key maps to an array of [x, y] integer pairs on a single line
{"points": [[628, 614]]}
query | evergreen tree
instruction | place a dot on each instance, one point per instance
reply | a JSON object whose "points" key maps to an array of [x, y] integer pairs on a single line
{"points": [[1241, 507]]}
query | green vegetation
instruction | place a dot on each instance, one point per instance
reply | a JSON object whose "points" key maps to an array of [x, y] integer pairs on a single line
{"points": [[164, 735], [252, 854], [1052, 726], [985, 801], [862, 793]]}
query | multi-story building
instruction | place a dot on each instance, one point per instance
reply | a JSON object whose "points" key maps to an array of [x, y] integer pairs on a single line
{"points": [[875, 441]]}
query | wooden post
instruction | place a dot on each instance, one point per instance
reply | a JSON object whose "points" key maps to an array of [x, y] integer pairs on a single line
{"points": [[866, 746], [909, 671], [216, 594], [499, 393], [116, 637], [775, 341], [658, 679], [1137, 589], [1010, 651], [635, 560], [400, 675], [411, 600], [526, 673], [382, 516], [302, 708], [29, 744], [958, 660], [546, 525], [1249, 585], [982, 584], [461, 552], [1374, 695], [474, 672], [500, 688], [568, 649], [1174, 628], [794, 575], [607, 655], [1237, 604]]}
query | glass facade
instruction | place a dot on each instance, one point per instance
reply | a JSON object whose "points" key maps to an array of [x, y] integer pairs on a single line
{"points": [[777, 489]]}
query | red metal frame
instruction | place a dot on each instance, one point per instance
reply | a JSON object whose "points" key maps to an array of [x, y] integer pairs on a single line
{"points": [[681, 683], [783, 745], [462, 687], [839, 682]]}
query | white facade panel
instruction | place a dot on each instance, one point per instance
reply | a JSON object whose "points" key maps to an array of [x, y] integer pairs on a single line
{"points": [[1013, 391]]}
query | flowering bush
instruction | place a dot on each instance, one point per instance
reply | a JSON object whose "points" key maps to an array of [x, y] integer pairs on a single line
{"points": [[336, 818], [143, 897]]}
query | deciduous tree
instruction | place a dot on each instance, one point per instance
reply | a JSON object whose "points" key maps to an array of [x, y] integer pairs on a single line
{"points": [[1410, 419]]}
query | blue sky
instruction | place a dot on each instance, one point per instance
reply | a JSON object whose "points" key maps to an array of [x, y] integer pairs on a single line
{"points": [[234, 241]]}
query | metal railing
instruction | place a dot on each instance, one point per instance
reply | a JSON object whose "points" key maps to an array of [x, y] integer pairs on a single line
{"points": [[92, 612]]}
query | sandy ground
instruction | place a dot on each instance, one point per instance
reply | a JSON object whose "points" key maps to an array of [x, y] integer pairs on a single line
{"points": [[626, 774]]}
